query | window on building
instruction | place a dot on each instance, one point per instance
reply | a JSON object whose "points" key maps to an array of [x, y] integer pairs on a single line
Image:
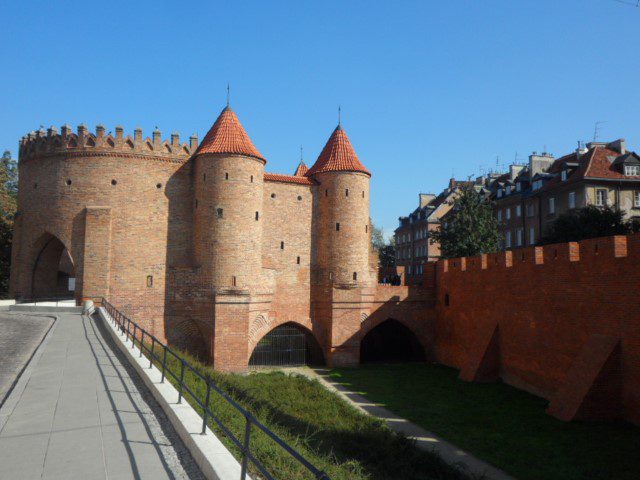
{"points": [[519, 235], [518, 210], [507, 213], [572, 199], [500, 215], [409, 269], [537, 184], [281, 245], [531, 210], [346, 192], [499, 193], [636, 199], [507, 240], [518, 186], [337, 227], [532, 236], [552, 205], [508, 190], [563, 175], [632, 170], [601, 197], [219, 212]]}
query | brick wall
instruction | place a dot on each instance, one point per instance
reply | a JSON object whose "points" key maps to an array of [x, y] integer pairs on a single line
{"points": [[561, 321]]}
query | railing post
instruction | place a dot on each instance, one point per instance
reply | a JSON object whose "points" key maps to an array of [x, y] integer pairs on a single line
{"points": [[245, 448], [206, 407], [153, 348], [141, 342], [181, 380], [164, 361], [133, 341]]}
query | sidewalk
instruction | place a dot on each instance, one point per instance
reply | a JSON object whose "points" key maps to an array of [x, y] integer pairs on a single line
{"points": [[84, 414]]}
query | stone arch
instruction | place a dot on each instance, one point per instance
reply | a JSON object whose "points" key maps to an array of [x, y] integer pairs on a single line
{"points": [[53, 270], [187, 336], [391, 341], [287, 344]]}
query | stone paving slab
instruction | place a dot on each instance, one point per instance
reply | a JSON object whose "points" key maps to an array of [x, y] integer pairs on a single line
{"points": [[20, 335], [85, 414]]}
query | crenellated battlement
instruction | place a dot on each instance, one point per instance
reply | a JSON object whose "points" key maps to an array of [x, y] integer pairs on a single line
{"points": [[53, 142], [592, 250]]}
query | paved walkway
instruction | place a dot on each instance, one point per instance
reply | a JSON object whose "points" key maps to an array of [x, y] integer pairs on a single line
{"points": [[20, 335], [84, 414]]}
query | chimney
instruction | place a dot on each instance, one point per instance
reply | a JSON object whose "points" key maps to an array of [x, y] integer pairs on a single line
{"points": [[618, 145], [539, 163], [452, 182], [514, 170], [193, 142], [425, 199]]}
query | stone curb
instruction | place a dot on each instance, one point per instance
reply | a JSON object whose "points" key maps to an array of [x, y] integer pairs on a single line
{"points": [[213, 458]]}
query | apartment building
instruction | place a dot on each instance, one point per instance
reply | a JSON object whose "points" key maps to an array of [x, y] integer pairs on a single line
{"points": [[530, 197]]}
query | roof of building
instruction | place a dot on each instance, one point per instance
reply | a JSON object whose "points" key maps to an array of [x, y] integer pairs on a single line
{"points": [[338, 156], [301, 169], [228, 136], [276, 177]]}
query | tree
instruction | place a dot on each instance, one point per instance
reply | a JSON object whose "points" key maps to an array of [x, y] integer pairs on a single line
{"points": [[377, 238], [588, 222], [471, 228], [386, 250], [8, 203]]}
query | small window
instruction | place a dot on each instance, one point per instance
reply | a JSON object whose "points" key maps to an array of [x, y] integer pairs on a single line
{"points": [[552, 206], [346, 192], [337, 227], [281, 245], [196, 203], [362, 193], [366, 228], [572, 199], [636, 199], [507, 240], [518, 211], [234, 281], [257, 216], [158, 185], [149, 281], [508, 213], [251, 178], [601, 197], [204, 177], [355, 275], [632, 170], [273, 195], [299, 198], [219, 212], [226, 176], [298, 260], [563, 175], [326, 193], [69, 182], [114, 182], [532, 236]]}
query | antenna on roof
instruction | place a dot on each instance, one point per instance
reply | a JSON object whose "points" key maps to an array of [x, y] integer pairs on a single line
{"points": [[596, 130], [339, 116], [228, 95], [300, 152]]}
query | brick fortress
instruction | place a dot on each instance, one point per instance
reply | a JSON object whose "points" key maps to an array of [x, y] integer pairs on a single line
{"points": [[198, 243]]}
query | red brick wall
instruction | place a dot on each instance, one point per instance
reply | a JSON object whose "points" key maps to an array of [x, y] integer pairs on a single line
{"points": [[561, 321]]}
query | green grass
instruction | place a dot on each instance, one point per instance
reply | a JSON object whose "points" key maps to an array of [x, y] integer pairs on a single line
{"points": [[327, 431], [499, 424]]}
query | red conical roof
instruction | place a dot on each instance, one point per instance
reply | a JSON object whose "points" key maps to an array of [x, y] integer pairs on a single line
{"points": [[301, 170], [228, 136], [338, 156]]}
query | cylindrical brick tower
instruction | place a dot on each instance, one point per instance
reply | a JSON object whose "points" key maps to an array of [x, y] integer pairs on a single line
{"points": [[228, 180], [343, 213]]}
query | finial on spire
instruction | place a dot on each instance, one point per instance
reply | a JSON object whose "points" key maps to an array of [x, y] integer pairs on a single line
{"points": [[228, 95], [339, 116], [300, 152]]}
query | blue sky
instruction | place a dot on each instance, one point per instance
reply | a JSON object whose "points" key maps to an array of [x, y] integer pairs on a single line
{"points": [[428, 89]]}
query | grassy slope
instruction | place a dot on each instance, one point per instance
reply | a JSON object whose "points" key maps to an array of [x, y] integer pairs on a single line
{"points": [[327, 431], [504, 426]]}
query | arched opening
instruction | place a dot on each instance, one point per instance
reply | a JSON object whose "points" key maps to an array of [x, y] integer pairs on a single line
{"points": [[391, 341], [186, 336], [53, 273], [287, 345]]}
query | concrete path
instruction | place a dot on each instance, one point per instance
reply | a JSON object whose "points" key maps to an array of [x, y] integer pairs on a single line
{"points": [[20, 335], [84, 414], [423, 438]]}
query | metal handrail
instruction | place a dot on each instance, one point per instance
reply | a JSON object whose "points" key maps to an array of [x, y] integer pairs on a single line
{"points": [[132, 331]]}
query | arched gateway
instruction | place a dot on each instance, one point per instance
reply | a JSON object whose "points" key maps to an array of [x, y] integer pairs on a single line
{"points": [[391, 341], [287, 345], [53, 273]]}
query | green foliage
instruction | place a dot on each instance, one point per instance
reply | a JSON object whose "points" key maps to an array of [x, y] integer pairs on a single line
{"points": [[332, 435], [387, 256], [377, 238], [588, 222], [8, 204], [386, 250], [470, 229], [499, 424]]}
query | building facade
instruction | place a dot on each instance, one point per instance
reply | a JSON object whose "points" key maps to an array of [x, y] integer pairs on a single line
{"points": [[529, 198], [197, 242]]}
